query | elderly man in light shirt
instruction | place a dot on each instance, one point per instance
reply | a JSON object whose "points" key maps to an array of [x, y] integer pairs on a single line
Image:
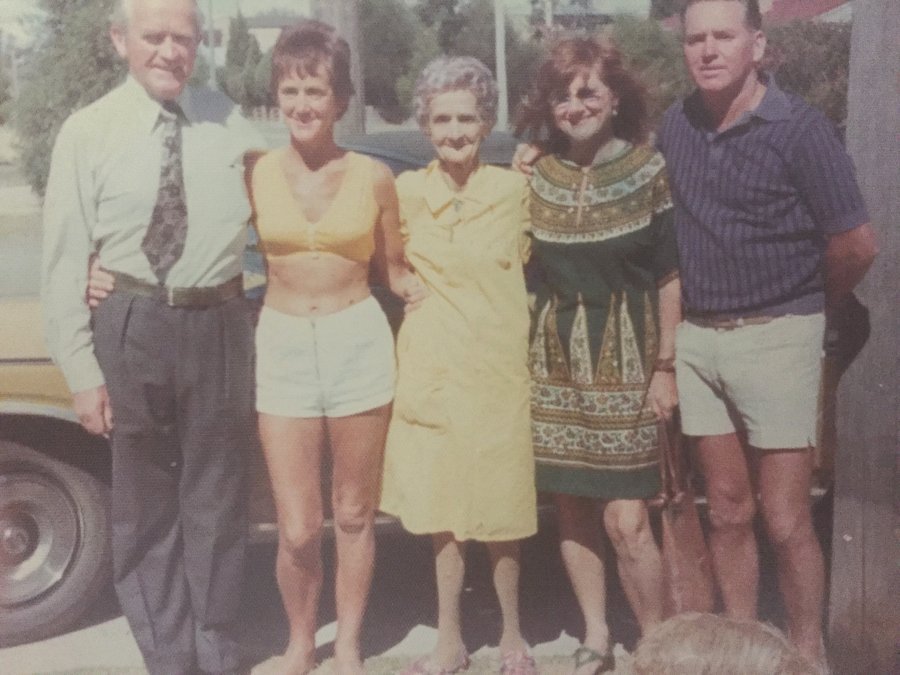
{"points": [[150, 179]]}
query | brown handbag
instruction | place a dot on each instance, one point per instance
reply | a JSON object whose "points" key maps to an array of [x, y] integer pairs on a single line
{"points": [[686, 563]]}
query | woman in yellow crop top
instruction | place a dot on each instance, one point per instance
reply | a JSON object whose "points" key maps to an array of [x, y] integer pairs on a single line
{"points": [[325, 352], [325, 364]]}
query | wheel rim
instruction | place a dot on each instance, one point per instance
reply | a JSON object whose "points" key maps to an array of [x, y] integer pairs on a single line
{"points": [[39, 534]]}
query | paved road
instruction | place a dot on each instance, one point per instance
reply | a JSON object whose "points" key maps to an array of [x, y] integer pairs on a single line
{"points": [[399, 622]]}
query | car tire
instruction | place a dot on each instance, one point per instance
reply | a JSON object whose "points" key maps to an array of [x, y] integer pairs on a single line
{"points": [[55, 549]]}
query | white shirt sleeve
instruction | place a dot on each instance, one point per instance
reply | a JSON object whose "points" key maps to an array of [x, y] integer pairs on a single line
{"points": [[69, 217]]}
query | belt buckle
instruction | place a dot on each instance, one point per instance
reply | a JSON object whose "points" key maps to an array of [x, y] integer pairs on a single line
{"points": [[170, 296]]}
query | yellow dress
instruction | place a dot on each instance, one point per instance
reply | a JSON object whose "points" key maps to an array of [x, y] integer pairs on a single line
{"points": [[458, 456]]}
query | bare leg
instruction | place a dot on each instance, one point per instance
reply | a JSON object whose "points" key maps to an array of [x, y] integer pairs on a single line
{"points": [[784, 481], [293, 450], [505, 562], [450, 568], [731, 509], [357, 445], [638, 558], [580, 545]]}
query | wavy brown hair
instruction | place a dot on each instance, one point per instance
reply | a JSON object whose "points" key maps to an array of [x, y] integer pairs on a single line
{"points": [[313, 48], [569, 59]]}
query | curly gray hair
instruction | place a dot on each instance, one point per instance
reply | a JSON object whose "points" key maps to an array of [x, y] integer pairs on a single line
{"points": [[452, 73]]}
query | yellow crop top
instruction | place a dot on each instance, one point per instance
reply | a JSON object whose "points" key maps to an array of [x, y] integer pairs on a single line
{"points": [[347, 227]]}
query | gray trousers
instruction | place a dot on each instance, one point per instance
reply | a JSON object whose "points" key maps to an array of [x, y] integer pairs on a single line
{"points": [[180, 385]]}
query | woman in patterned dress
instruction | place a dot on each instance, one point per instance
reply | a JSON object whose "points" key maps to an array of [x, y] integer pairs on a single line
{"points": [[458, 459], [602, 339]]}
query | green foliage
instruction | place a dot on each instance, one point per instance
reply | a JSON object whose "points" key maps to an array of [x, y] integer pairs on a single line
{"points": [[386, 60], [442, 16], [242, 56], [812, 59], [654, 56], [262, 81], [660, 9], [476, 38], [425, 47], [200, 76], [73, 65]]}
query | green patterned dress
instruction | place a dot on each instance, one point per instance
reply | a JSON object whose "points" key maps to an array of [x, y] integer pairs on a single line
{"points": [[603, 245]]}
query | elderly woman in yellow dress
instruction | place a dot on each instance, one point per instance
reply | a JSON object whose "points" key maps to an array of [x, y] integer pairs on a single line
{"points": [[458, 460]]}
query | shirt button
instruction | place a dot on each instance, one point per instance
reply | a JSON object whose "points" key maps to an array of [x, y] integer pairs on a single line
{"points": [[173, 464]]}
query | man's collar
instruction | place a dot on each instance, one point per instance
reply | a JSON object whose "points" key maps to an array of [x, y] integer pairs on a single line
{"points": [[438, 194], [148, 108], [774, 105]]}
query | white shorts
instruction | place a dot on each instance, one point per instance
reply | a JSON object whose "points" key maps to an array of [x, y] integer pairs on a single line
{"points": [[763, 379], [324, 366]]}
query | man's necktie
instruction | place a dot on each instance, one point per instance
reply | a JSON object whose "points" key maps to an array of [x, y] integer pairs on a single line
{"points": [[163, 243]]}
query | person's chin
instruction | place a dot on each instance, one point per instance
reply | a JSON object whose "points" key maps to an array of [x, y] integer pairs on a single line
{"points": [[166, 90]]}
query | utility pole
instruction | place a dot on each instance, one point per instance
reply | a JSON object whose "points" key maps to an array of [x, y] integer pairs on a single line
{"points": [[863, 620], [500, 52], [344, 16], [211, 44]]}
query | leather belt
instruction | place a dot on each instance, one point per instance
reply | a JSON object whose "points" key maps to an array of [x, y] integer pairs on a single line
{"points": [[174, 296], [728, 323]]}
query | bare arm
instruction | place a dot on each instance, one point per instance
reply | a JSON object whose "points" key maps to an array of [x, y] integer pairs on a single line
{"points": [[390, 260], [847, 259], [525, 156], [662, 394]]}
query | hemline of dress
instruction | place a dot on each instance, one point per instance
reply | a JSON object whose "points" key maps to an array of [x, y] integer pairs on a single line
{"points": [[419, 529], [642, 483]]}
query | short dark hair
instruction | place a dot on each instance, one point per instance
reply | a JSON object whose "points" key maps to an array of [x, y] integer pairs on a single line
{"points": [[568, 59], [308, 47], [752, 15]]}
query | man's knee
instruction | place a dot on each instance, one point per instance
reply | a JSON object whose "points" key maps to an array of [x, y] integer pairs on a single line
{"points": [[785, 523], [730, 507]]}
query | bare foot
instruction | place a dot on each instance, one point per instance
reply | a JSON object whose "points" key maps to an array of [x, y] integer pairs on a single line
{"points": [[284, 665], [347, 665]]}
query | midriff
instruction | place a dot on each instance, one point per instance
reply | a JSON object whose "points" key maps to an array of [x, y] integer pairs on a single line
{"points": [[315, 283]]}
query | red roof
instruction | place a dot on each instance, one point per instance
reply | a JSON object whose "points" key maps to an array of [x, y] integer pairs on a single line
{"points": [[791, 10]]}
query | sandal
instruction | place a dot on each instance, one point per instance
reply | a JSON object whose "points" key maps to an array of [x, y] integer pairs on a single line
{"points": [[424, 666], [519, 662], [606, 663]]}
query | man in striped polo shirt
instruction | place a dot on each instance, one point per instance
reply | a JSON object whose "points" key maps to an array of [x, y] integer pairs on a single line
{"points": [[773, 235]]}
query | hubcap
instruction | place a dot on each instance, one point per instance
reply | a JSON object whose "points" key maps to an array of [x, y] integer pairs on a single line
{"points": [[39, 534]]}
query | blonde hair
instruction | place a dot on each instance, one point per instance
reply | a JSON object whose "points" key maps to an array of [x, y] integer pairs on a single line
{"points": [[708, 644]]}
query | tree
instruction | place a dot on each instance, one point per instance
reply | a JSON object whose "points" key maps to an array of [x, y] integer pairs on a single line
{"points": [[660, 9], [654, 56], [476, 38], [442, 16], [425, 47], [385, 62], [812, 59], [72, 65], [242, 55]]}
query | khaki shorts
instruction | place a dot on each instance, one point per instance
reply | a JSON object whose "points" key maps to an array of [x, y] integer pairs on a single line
{"points": [[762, 379], [325, 366]]}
